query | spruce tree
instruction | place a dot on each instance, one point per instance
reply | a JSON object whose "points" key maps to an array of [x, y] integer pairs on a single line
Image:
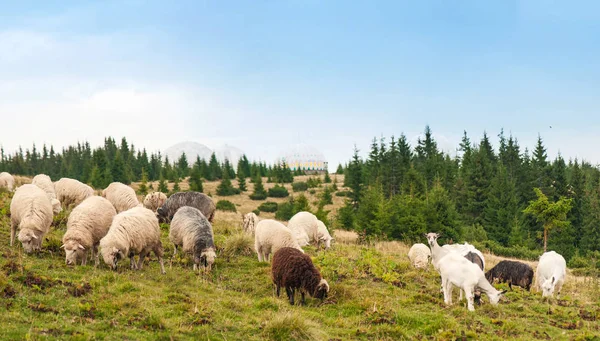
{"points": [[96, 179], [355, 179], [143, 188], [241, 181], [259, 190], [551, 214], [183, 166], [162, 185], [176, 188], [225, 188], [440, 213], [118, 170], [196, 179], [340, 169], [214, 171], [325, 197], [502, 207], [301, 204], [327, 178]]}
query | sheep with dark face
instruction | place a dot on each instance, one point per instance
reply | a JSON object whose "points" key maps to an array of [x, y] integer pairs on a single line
{"points": [[197, 200], [511, 272], [294, 270], [191, 230]]}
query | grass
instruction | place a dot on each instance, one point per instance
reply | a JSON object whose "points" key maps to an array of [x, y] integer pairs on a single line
{"points": [[375, 295]]}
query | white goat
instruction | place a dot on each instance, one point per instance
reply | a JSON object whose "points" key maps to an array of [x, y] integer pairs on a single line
{"points": [[551, 272], [458, 271]]}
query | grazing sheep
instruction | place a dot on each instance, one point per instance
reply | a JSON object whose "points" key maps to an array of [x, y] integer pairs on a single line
{"points": [[154, 200], [511, 272], [419, 255], [271, 236], [191, 230], [551, 273], [44, 182], [132, 232], [7, 181], [121, 196], [198, 200], [250, 220], [294, 270], [88, 223], [323, 235], [456, 270], [31, 213], [305, 228], [71, 191]]}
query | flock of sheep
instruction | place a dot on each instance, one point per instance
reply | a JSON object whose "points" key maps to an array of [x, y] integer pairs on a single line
{"points": [[463, 266], [116, 225]]}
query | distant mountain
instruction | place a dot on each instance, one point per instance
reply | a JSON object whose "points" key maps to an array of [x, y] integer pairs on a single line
{"points": [[194, 149]]}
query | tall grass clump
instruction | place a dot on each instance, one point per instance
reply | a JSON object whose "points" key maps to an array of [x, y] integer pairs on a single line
{"points": [[239, 244], [291, 326]]}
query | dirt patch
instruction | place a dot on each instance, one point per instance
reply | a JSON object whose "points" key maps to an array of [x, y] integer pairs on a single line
{"points": [[11, 267], [42, 308], [8, 292], [78, 290]]}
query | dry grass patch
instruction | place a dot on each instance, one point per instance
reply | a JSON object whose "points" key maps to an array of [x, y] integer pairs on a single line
{"points": [[345, 237]]}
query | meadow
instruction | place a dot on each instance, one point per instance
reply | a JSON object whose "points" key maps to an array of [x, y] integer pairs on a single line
{"points": [[375, 295]]}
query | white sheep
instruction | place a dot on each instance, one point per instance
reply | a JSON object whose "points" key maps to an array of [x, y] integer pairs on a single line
{"points": [[121, 196], [31, 213], [193, 232], [154, 200], [270, 236], [7, 181], [550, 273], [250, 220], [419, 255], [456, 270], [71, 191], [323, 235], [88, 223], [44, 182], [464, 249], [305, 228], [132, 232]]}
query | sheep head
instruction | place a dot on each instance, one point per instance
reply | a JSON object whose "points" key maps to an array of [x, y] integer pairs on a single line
{"points": [[161, 214], [56, 207], [112, 256], [322, 290], [548, 287], [432, 238], [73, 251], [30, 241], [207, 258]]}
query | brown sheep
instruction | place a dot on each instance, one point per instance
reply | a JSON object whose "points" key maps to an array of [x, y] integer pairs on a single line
{"points": [[293, 270]]}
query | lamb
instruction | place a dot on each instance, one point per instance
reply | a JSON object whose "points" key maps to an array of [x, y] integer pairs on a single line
{"points": [[121, 196], [191, 230], [71, 191], [323, 235], [31, 213], [7, 181], [154, 200], [44, 182], [294, 270], [198, 200], [88, 223], [419, 255], [132, 232], [551, 273], [304, 227], [458, 271], [250, 220], [511, 272], [271, 236]]}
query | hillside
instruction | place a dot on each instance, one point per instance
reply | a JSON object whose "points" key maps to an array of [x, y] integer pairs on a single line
{"points": [[375, 295]]}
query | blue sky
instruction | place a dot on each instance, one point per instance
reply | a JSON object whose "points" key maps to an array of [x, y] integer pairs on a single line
{"points": [[262, 75]]}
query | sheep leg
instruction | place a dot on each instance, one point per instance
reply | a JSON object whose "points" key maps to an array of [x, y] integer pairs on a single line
{"points": [[290, 293], [13, 230], [158, 251], [448, 292], [141, 260], [175, 250], [84, 259], [303, 300], [97, 255], [469, 294], [278, 287], [460, 295], [132, 263], [510, 285]]}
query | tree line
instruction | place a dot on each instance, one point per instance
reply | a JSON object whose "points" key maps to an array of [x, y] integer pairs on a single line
{"points": [[509, 198]]}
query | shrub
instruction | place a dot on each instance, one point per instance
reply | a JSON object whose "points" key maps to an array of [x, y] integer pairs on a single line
{"points": [[256, 211], [268, 207], [313, 182], [278, 192], [258, 196], [300, 186], [342, 194], [285, 211], [226, 205], [312, 191], [515, 251], [325, 197]]}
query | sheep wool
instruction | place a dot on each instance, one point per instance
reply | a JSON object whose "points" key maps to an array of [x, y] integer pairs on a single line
{"points": [[419, 255], [198, 200], [250, 220], [121, 196], [132, 232], [31, 214], [44, 182], [193, 232], [511, 272], [271, 236], [323, 234], [154, 200], [7, 181], [294, 270], [88, 223], [304, 226], [71, 191]]}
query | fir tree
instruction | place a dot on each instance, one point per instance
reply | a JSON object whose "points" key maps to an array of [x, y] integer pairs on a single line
{"points": [[143, 188], [355, 179], [550, 214], [214, 169], [162, 185], [326, 198], [119, 173], [259, 190], [225, 188], [176, 188], [502, 207], [183, 166], [241, 181], [196, 179], [327, 178], [340, 169]]}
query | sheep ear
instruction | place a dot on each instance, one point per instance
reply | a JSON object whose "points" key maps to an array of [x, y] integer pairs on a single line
{"points": [[81, 247], [34, 236], [62, 246]]}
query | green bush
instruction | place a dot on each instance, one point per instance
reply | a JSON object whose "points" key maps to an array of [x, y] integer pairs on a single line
{"points": [[278, 192], [514, 252], [268, 207], [312, 191], [285, 211], [313, 182], [226, 205], [342, 194], [258, 196], [256, 211], [300, 186]]}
